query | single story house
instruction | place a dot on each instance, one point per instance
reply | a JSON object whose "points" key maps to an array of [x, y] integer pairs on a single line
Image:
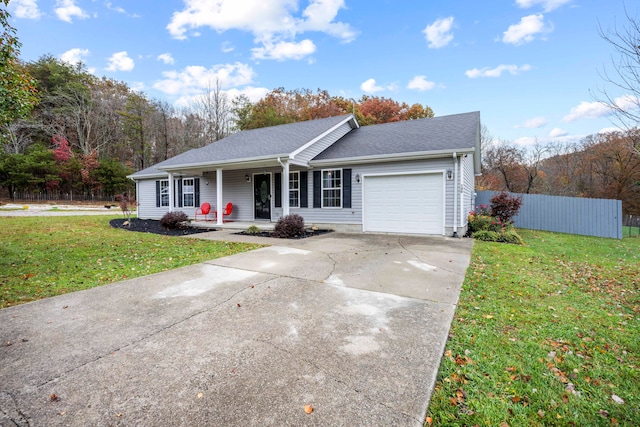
{"points": [[414, 176]]}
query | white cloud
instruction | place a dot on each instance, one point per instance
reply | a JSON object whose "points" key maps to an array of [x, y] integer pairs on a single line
{"points": [[275, 23], [610, 130], [497, 71], [421, 83], [526, 140], [166, 58], [370, 86], [526, 30], [74, 56], [439, 33], [548, 5], [284, 50], [195, 78], [120, 61], [118, 9], [227, 47], [557, 133], [534, 123], [27, 9], [587, 110], [593, 110], [67, 9]]}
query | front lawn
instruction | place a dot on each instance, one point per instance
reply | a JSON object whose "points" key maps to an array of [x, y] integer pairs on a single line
{"points": [[46, 256], [544, 334]]}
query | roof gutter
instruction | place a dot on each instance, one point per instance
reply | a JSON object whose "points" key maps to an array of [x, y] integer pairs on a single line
{"points": [[391, 157], [234, 162]]}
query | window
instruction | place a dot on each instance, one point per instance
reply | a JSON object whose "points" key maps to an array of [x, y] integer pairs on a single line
{"points": [[164, 192], [188, 192], [294, 189], [332, 188]]}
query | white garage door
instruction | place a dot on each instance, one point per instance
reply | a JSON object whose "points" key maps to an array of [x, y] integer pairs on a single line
{"points": [[404, 203]]}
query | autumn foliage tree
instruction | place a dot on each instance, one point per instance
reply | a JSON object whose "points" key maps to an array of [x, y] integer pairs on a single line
{"points": [[281, 106], [18, 93]]}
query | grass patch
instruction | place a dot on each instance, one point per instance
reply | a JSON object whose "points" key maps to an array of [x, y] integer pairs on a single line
{"points": [[544, 334], [46, 256]]}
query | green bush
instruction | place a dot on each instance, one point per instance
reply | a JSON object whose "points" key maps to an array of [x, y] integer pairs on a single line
{"points": [[254, 229], [486, 235], [289, 226], [510, 236], [173, 220], [504, 236]]}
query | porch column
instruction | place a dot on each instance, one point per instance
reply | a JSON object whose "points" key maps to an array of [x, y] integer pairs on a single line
{"points": [[219, 199], [170, 192], [285, 189]]}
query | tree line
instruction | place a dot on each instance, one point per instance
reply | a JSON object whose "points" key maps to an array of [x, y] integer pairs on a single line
{"points": [[85, 134], [598, 166]]}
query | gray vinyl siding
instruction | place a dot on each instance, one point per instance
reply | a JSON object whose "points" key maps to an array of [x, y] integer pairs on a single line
{"points": [[468, 187], [319, 146], [354, 214]]}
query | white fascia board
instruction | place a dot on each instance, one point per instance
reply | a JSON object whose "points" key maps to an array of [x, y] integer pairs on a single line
{"points": [[390, 157], [150, 176], [322, 135], [223, 164]]}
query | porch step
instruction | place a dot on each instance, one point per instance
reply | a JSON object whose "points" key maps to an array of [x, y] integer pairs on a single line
{"points": [[234, 225]]}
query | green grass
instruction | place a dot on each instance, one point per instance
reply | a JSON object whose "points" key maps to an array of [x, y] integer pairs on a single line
{"points": [[46, 256], [544, 335]]}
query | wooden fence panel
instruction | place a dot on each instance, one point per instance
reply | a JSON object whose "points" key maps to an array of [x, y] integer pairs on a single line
{"points": [[573, 215]]}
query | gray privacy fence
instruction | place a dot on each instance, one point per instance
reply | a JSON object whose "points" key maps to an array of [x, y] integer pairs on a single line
{"points": [[573, 215]]}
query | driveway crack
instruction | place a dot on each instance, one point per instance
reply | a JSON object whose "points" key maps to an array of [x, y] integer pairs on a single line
{"points": [[14, 415]]}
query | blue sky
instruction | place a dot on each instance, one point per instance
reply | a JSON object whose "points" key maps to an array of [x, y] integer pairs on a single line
{"points": [[531, 67]]}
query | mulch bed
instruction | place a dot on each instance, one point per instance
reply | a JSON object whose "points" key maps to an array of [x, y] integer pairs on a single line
{"points": [[307, 233], [153, 226]]}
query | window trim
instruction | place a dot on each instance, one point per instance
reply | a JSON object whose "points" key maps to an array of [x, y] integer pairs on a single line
{"points": [[323, 188], [297, 190], [192, 193], [164, 185]]}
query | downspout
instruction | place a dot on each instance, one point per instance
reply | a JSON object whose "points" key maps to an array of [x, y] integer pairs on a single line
{"points": [[284, 187], [461, 186], [455, 195]]}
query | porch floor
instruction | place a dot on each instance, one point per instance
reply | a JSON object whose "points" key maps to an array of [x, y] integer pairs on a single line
{"points": [[234, 225]]}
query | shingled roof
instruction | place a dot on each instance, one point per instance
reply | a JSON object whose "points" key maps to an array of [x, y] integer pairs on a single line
{"points": [[457, 132], [430, 136], [274, 141]]}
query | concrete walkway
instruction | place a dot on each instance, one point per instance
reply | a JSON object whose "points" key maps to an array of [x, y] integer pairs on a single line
{"points": [[352, 324]]}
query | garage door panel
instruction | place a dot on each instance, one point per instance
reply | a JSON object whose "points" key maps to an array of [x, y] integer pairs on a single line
{"points": [[404, 203]]}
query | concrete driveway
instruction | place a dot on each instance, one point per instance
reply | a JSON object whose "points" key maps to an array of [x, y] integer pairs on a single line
{"points": [[352, 324]]}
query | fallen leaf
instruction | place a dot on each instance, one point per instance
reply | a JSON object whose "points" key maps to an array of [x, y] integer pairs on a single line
{"points": [[617, 399], [238, 304], [429, 420], [200, 395], [54, 397], [308, 409]]}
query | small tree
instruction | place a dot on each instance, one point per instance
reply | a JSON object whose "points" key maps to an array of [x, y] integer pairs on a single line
{"points": [[505, 207], [126, 205]]}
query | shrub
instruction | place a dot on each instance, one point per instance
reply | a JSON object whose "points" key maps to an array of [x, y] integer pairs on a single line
{"points": [[173, 220], [510, 236], [289, 226], [254, 229], [486, 235], [505, 207], [504, 236], [479, 222], [126, 204]]}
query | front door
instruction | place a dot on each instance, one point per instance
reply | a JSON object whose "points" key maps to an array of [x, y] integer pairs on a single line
{"points": [[262, 196]]}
